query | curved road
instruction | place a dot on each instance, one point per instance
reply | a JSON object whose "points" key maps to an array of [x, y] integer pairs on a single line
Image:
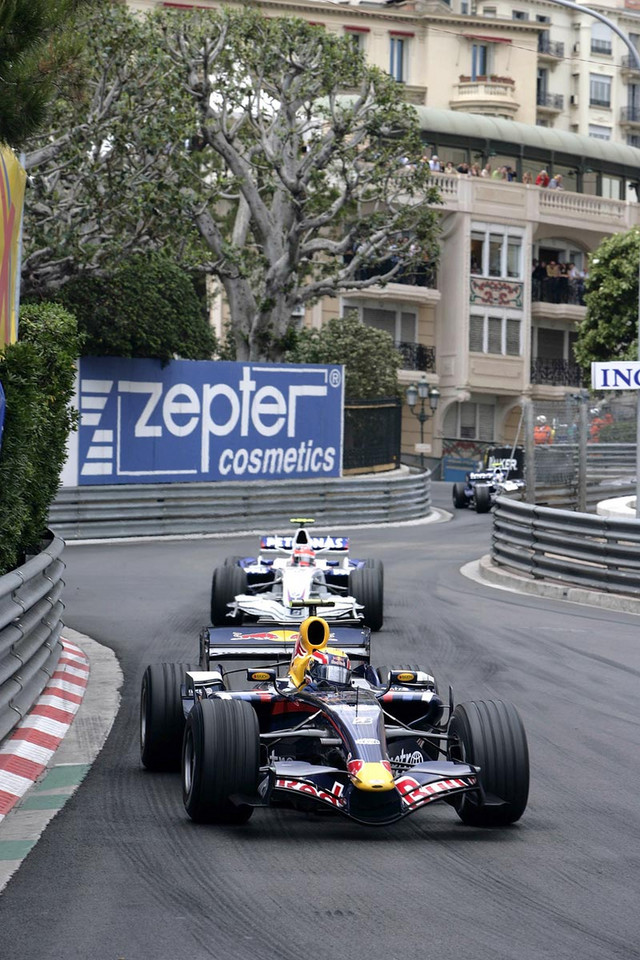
{"points": [[122, 873]]}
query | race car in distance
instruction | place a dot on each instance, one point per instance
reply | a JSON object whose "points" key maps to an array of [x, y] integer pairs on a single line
{"points": [[319, 728], [482, 487], [298, 567]]}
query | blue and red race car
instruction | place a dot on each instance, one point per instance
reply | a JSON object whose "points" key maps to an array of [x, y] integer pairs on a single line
{"points": [[312, 724]]}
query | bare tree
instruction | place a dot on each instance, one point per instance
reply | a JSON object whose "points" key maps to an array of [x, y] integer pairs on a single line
{"points": [[262, 151]]}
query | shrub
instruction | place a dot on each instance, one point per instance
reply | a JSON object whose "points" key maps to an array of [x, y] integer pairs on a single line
{"points": [[370, 359], [147, 308], [38, 376]]}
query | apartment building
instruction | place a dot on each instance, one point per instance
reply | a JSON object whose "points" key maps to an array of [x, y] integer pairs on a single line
{"points": [[522, 86]]}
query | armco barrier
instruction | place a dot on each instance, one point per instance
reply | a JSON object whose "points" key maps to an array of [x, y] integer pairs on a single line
{"points": [[577, 548], [208, 508], [30, 610]]}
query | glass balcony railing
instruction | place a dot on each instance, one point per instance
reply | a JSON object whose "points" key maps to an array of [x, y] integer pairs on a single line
{"points": [[553, 101], [416, 356], [550, 47]]}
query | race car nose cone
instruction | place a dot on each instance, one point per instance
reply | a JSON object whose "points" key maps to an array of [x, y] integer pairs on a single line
{"points": [[371, 776]]}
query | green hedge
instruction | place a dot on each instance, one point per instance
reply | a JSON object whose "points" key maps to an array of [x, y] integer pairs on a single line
{"points": [[149, 307], [38, 377]]}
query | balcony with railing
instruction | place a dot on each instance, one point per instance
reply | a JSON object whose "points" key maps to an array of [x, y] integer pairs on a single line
{"points": [[550, 102], [416, 356], [630, 116], [550, 49], [555, 373], [629, 64], [561, 289], [564, 208], [423, 275], [492, 96]]}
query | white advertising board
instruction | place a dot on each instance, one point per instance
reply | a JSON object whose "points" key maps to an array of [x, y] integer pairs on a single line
{"points": [[616, 375]]}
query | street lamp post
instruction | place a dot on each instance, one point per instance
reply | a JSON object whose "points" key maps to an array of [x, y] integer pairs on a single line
{"points": [[422, 393]]}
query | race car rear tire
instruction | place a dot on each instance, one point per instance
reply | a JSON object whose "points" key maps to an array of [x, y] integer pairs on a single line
{"points": [[483, 498], [459, 496], [226, 584], [489, 734], [161, 715], [220, 761], [366, 586], [231, 561]]}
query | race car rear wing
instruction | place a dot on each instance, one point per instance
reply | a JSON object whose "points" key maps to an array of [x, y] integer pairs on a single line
{"points": [[275, 641]]}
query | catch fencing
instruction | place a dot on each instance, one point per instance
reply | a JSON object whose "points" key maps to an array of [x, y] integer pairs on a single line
{"points": [[30, 625], [573, 548], [212, 508]]}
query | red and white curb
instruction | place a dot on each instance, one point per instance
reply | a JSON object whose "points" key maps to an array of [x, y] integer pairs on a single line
{"points": [[25, 754]]}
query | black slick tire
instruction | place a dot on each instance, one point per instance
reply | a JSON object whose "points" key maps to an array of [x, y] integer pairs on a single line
{"points": [[220, 761], [483, 498], [226, 584], [459, 496], [489, 734], [366, 585], [162, 718]]}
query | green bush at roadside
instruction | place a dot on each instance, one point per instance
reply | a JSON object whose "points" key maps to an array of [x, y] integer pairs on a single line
{"points": [[38, 377]]}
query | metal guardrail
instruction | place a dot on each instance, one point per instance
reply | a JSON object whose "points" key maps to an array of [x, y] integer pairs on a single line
{"points": [[30, 647], [568, 496], [575, 548], [206, 508]]}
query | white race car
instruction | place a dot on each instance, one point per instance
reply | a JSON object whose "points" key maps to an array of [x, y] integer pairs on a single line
{"points": [[290, 570]]}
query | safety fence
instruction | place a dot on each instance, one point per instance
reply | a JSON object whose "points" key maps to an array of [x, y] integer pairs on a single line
{"points": [[30, 611], [210, 508], [560, 545]]}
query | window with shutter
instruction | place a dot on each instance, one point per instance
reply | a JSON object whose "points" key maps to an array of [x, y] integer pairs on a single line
{"points": [[494, 335], [476, 333], [513, 338]]}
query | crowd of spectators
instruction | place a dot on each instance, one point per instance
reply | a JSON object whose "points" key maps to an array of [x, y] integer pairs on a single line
{"points": [[554, 282], [503, 172]]}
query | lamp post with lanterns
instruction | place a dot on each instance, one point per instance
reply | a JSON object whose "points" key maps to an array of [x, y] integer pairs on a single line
{"points": [[422, 392]]}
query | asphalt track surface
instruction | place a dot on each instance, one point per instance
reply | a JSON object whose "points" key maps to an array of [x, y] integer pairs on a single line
{"points": [[122, 873]]}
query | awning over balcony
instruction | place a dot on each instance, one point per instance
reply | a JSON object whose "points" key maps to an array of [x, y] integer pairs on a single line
{"points": [[484, 133]]}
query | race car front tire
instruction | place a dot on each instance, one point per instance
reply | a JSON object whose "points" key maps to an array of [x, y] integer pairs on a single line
{"points": [[220, 761], [366, 586], [489, 734], [483, 498], [161, 715], [226, 584], [459, 496]]}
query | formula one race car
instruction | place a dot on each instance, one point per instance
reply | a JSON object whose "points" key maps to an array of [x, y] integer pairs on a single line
{"points": [[482, 487], [294, 568], [319, 728]]}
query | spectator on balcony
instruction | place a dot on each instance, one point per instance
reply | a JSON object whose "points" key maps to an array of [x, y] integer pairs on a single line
{"points": [[563, 283], [576, 284], [542, 180], [511, 174], [556, 182], [434, 164], [475, 170], [538, 277], [527, 177], [463, 169], [486, 170], [552, 283], [449, 168]]}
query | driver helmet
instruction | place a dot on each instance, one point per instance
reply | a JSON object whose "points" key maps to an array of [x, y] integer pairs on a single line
{"points": [[541, 419], [304, 557], [329, 668]]}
